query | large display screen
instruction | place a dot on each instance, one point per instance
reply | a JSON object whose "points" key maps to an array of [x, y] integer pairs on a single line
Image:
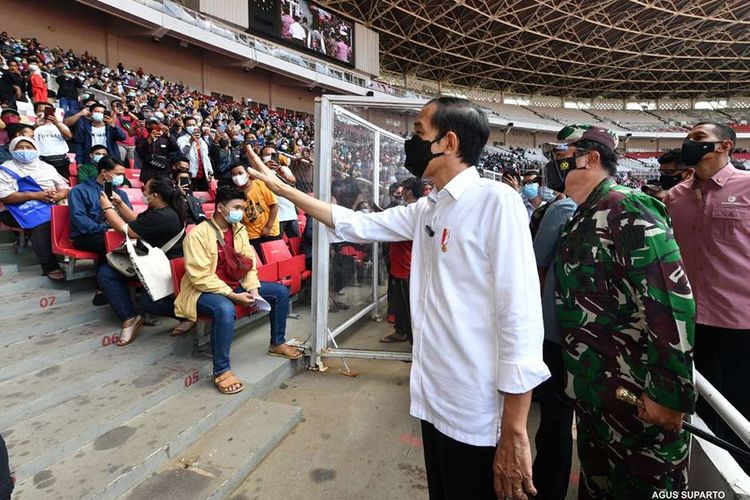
{"points": [[302, 24]]}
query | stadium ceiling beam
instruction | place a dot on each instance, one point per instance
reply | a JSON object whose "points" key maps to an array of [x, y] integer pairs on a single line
{"points": [[695, 20], [695, 10], [404, 37]]}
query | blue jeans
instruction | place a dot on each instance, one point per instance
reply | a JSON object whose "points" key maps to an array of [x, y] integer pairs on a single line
{"points": [[222, 313], [69, 105], [115, 287]]}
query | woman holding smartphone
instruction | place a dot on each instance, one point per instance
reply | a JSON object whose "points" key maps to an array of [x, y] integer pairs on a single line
{"points": [[193, 207]]}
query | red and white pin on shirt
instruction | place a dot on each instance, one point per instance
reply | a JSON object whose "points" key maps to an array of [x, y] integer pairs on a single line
{"points": [[444, 240]]}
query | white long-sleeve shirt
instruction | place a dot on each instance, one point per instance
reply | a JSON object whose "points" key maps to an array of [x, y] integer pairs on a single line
{"points": [[475, 302]]}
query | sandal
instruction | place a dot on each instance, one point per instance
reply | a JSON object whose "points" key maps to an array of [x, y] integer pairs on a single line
{"points": [[56, 275], [183, 328], [285, 351], [129, 333], [393, 338], [225, 380]]}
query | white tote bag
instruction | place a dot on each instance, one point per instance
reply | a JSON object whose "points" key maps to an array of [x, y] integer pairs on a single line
{"points": [[152, 269]]}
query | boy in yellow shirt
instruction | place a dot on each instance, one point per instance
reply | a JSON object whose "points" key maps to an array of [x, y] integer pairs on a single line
{"points": [[261, 218]]}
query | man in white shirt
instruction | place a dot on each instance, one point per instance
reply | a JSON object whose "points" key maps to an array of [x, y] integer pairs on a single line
{"points": [[52, 135], [298, 31], [476, 317], [195, 149]]}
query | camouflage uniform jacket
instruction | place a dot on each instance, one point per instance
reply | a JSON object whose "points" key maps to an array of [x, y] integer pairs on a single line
{"points": [[624, 302]]}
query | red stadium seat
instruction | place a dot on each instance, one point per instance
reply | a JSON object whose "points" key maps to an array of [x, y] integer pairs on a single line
{"points": [[274, 251], [134, 195], [113, 239], [208, 209], [132, 173], [73, 169], [61, 244], [268, 272], [135, 183], [290, 273], [295, 245], [302, 222], [204, 196]]}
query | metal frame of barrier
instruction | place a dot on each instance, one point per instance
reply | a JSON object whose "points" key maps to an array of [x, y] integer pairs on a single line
{"points": [[325, 108]]}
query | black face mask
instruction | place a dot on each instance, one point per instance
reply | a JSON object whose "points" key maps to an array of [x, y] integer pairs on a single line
{"points": [[694, 151], [557, 170], [223, 143], [235, 143], [667, 181], [419, 155]]}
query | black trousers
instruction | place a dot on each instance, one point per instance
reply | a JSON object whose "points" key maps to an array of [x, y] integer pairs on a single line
{"points": [[455, 470], [400, 302], [290, 228], [92, 243], [721, 355], [554, 438], [6, 482], [200, 184], [60, 162], [41, 242]]}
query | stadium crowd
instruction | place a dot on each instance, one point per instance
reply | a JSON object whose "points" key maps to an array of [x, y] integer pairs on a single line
{"points": [[221, 188]]}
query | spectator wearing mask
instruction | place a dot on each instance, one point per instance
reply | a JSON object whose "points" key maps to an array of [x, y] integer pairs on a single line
{"points": [[68, 88], [101, 129], [672, 169], [24, 179], [221, 272], [37, 84], [532, 197], [9, 116], [261, 210], [195, 149], [162, 225], [288, 222], [128, 122], [90, 169], [52, 135], [87, 221], [12, 85], [399, 269], [14, 130], [626, 313], [156, 152], [711, 217], [83, 112], [193, 206], [220, 154], [554, 437], [396, 192]]}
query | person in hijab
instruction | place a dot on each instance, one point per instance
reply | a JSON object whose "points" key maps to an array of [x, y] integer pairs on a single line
{"points": [[28, 189]]}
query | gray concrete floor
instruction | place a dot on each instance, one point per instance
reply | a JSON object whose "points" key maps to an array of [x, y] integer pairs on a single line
{"points": [[357, 439]]}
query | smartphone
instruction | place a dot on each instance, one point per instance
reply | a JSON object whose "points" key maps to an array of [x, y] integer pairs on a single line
{"points": [[184, 182], [108, 189], [275, 157], [107, 113], [49, 112]]}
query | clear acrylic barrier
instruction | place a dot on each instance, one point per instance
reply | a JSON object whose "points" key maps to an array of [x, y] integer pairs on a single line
{"points": [[359, 154]]}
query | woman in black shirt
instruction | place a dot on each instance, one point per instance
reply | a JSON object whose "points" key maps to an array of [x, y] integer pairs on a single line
{"points": [[159, 224]]}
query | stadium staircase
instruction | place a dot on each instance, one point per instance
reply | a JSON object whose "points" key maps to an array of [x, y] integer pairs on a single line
{"points": [[84, 418]]}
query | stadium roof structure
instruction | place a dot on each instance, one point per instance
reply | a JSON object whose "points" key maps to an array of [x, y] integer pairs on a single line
{"points": [[575, 48]]}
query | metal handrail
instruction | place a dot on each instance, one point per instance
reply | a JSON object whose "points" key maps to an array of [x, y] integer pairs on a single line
{"points": [[733, 418], [201, 21]]}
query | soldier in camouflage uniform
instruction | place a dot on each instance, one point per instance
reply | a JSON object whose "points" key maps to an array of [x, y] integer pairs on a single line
{"points": [[626, 315]]}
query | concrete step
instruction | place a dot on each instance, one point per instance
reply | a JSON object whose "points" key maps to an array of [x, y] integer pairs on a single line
{"points": [[51, 348], [216, 464], [31, 279], [31, 301], [26, 395], [8, 255], [7, 270], [49, 436], [28, 325], [122, 458]]}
